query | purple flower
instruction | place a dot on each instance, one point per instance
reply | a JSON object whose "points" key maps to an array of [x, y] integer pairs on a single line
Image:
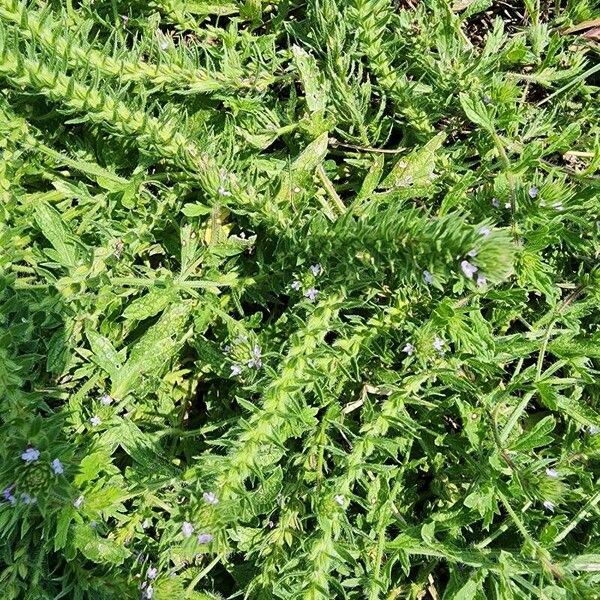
{"points": [[27, 499], [105, 399], [256, 360], [468, 269], [593, 429], [340, 499], [205, 538], [210, 498], [95, 421], [151, 573], [296, 285], [408, 349], [533, 192], [7, 494], [149, 592], [552, 473], [311, 293], [30, 455], [548, 505], [472, 253], [485, 231], [427, 277], [78, 502], [438, 344], [57, 467], [187, 529], [481, 280], [236, 370], [316, 270]]}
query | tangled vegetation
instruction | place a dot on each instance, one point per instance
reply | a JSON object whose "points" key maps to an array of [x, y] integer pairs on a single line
{"points": [[299, 299]]}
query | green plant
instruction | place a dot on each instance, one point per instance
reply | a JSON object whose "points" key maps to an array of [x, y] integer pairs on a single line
{"points": [[299, 300]]}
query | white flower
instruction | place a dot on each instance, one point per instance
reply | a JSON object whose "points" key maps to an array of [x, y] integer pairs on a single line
{"points": [[164, 45], [105, 399], [468, 269], [149, 592], [507, 205], [558, 206], [481, 280], [408, 349], [210, 498], [593, 429], [427, 277], [205, 538], [496, 202], [223, 192], [7, 494], [316, 270], [236, 370], [472, 253], [147, 523], [340, 499], [438, 344], [27, 499], [256, 360], [187, 529], [485, 231], [151, 573], [311, 293], [296, 285], [548, 505], [30, 455], [57, 467], [553, 473], [95, 421], [78, 502], [533, 192]]}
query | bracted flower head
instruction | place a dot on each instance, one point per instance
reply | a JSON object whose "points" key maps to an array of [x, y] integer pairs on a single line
{"points": [[30, 455]]}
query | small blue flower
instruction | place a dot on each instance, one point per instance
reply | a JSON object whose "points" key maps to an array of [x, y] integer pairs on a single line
{"points": [[256, 360], [210, 498], [481, 281], [533, 192], [105, 399], [548, 505], [438, 344], [95, 421], [27, 499], [57, 467], [296, 285], [485, 231], [593, 429], [205, 538], [78, 502], [408, 349], [149, 592], [427, 277], [236, 370], [316, 270], [340, 499], [468, 269], [30, 455], [311, 294], [552, 473], [151, 573], [7, 494], [187, 529]]}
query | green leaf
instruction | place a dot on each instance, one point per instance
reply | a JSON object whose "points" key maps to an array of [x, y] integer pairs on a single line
{"points": [[155, 301], [56, 232]]}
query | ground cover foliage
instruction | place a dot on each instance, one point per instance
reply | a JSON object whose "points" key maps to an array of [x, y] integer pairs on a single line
{"points": [[299, 300]]}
